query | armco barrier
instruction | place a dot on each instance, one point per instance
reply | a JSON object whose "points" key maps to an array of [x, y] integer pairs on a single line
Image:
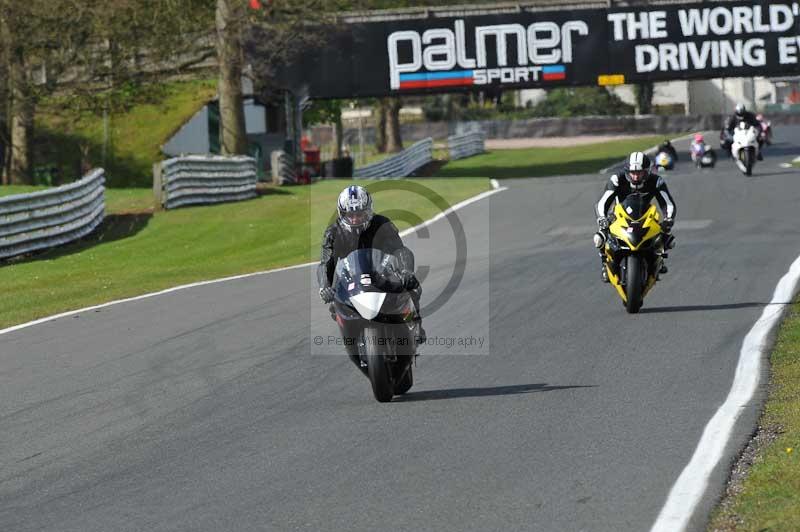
{"points": [[205, 179], [283, 172], [403, 164], [466, 145], [544, 127], [40, 220]]}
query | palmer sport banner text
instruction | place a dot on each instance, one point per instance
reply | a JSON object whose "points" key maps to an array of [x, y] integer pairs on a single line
{"points": [[545, 49]]}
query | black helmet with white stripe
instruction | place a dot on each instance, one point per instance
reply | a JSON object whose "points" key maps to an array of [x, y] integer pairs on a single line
{"points": [[355, 208], [636, 169]]}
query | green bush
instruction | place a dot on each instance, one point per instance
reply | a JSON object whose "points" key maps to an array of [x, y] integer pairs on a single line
{"points": [[581, 101]]}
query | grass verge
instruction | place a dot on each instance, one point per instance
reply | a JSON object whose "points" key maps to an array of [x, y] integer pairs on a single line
{"points": [[545, 162], [10, 190], [768, 498], [137, 251]]}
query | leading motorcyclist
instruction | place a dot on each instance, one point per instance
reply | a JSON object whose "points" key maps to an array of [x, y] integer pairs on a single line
{"points": [[358, 227], [741, 114], [636, 177]]}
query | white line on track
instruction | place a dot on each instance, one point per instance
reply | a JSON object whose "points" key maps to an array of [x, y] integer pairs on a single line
{"points": [[406, 232], [691, 485]]}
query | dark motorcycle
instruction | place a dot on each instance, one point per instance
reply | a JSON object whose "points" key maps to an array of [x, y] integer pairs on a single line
{"points": [[376, 319], [766, 130], [725, 141]]}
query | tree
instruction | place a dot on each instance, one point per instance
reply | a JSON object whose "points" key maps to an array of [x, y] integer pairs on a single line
{"points": [[394, 140], [230, 20], [381, 113], [644, 97], [83, 50], [327, 112]]}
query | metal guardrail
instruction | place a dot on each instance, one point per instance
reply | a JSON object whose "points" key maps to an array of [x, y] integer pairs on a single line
{"points": [[204, 180], [403, 164], [40, 220], [466, 145]]}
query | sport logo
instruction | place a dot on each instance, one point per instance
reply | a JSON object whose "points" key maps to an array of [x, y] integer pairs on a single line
{"points": [[439, 58]]}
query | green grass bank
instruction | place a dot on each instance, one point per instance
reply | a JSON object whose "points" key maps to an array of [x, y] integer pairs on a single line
{"points": [[545, 162], [137, 251], [768, 499]]}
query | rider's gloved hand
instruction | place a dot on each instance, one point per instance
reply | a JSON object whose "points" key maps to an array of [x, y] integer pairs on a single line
{"points": [[667, 224], [326, 294], [602, 223], [409, 280]]}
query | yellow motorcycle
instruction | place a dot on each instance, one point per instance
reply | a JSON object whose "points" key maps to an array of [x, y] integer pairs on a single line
{"points": [[633, 249]]}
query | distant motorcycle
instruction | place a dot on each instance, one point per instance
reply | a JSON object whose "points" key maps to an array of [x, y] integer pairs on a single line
{"points": [[703, 155], [725, 140], [376, 319], [665, 160], [744, 149], [766, 129]]}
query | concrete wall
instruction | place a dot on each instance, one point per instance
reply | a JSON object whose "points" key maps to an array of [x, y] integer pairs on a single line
{"points": [[540, 127]]}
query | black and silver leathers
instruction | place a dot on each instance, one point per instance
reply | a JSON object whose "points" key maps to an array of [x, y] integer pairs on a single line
{"points": [[338, 243], [746, 117], [618, 187]]}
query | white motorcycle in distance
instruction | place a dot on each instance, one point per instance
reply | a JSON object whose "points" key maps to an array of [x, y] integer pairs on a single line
{"points": [[744, 149]]}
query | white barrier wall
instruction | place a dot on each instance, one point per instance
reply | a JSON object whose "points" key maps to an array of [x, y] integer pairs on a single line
{"points": [[41, 220], [403, 164], [466, 145], [205, 179]]}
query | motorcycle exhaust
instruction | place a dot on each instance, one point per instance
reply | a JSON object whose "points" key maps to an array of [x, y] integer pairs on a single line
{"points": [[599, 240]]}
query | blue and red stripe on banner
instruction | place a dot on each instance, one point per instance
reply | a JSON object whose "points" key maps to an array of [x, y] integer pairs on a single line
{"points": [[437, 79], [554, 72]]}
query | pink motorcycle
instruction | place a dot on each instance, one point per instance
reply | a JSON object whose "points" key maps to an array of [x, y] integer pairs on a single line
{"points": [[766, 129]]}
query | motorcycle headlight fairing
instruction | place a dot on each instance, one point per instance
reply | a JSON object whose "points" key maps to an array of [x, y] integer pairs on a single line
{"points": [[368, 304]]}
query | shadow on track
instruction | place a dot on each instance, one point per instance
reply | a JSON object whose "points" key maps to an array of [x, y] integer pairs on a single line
{"points": [[458, 393], [693, 308]]}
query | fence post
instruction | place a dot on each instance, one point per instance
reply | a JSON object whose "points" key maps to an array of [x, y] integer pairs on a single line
{"points": [[158, 191]]}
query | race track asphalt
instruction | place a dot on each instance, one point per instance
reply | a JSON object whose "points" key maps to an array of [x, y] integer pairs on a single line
{"points": [[213, 408]]}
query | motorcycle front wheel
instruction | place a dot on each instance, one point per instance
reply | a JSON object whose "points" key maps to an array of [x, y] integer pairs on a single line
{"points": [[634, 284], [377, 368], [747, 160]]}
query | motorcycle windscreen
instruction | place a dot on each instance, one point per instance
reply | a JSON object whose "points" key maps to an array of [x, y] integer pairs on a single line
{"points": [[367, 270], [636, 205]]}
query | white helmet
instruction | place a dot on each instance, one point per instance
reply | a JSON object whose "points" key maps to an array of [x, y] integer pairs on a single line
{"points": [[355, 208], [636, 169], [740, 109]]}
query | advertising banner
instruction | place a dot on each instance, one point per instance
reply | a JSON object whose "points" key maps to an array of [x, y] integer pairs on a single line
{"points": [[558, 48]]}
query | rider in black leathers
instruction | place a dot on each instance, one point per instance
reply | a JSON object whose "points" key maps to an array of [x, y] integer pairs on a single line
{"points": [[358, 228], [741, 114]]}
